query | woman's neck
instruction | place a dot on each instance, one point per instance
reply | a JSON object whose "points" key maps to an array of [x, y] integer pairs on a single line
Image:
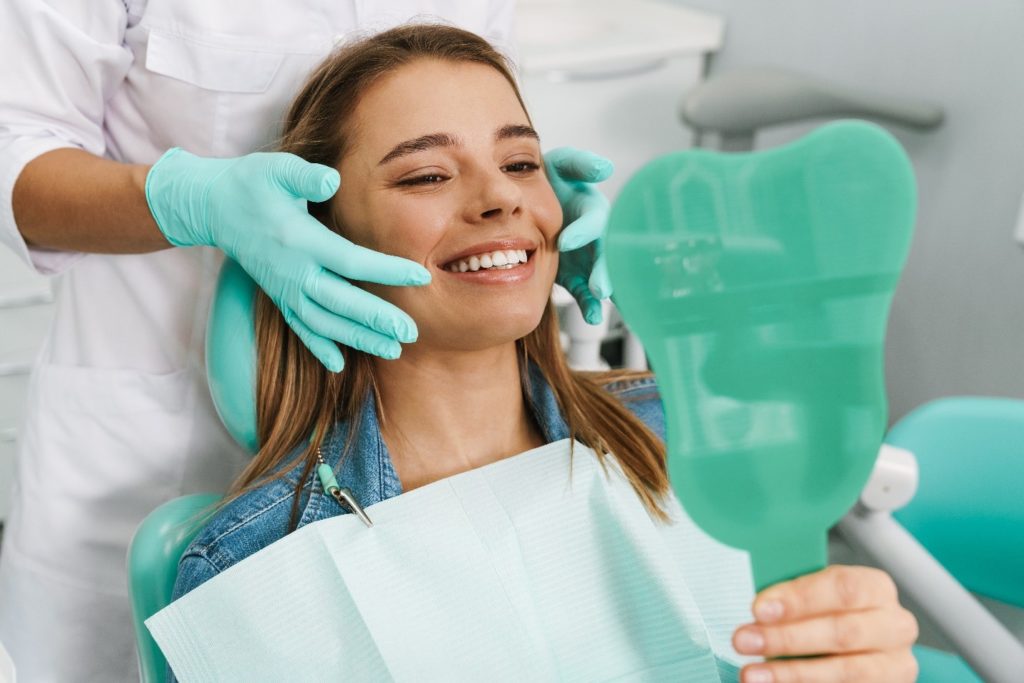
{"points": [[449, 412]]}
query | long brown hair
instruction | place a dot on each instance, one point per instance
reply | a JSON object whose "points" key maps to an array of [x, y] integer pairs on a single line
{"points": [[298, 401]]}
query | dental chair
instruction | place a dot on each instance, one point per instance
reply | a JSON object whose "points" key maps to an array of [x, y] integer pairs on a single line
{"points": [[960, 463]]}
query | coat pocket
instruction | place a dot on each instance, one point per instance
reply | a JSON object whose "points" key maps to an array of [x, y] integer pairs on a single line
{"points": [[210, 66]]}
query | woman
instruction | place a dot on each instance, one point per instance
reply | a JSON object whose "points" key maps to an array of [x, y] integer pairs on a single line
{"points": [[442, 167]]}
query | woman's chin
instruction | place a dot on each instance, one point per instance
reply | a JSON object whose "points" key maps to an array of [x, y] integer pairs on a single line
{"points": [[480, 333]]}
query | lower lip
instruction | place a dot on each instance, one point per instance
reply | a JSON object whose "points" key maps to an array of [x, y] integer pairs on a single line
{"points": [[496, 276]]}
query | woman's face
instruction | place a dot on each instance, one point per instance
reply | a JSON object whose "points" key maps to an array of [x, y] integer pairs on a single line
{"points": [[444, 169]]}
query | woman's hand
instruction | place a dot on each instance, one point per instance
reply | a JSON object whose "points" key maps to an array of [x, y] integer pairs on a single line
{"points": [[848, 615]]}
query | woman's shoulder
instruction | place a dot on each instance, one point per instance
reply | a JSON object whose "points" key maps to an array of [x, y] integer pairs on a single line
{"points": [[241, 527], [637, 391], [628, 385]]}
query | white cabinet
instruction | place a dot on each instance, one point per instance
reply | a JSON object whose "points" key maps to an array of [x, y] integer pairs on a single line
{"points": [[608, 76], [25, 311]]}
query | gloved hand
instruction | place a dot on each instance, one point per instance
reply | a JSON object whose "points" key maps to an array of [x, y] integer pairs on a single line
{"points": [[254, 209], [581, 268]]}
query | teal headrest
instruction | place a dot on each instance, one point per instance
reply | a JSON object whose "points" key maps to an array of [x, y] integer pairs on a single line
{"points": [[231, 354], [967, 510]]}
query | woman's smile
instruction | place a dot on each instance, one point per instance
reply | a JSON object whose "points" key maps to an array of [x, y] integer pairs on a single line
{"points": [[506, 261]]}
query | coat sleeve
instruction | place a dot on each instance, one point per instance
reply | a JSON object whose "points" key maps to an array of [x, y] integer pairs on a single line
{"points": [[63, 59]]}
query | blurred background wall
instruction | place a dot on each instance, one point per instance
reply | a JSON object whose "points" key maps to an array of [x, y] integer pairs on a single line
{"points": [[957, 323]]}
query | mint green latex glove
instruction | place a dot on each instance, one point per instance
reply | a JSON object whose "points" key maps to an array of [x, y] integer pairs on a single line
{"points": [[581, 267], [254, 209]]}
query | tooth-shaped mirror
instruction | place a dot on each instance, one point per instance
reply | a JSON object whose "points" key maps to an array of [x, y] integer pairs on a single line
{"points": [[760, 284]]}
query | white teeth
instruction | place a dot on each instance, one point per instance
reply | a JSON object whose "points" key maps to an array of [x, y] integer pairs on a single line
{"points": [[504, 259]]}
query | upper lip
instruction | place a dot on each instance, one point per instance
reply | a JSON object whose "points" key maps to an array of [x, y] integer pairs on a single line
{"points": [[512, 243]]}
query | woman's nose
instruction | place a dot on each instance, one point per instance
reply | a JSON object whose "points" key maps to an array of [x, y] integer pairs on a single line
{"points": [[497, 197]]}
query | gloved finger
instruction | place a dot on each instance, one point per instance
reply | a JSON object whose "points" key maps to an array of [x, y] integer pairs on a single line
{"points": [[354, 262], [348, 332], [326, 351], [590, 307], [600, 283], [587, 227], [592, 310], [348, 301], [577, 164], [303, 180]]}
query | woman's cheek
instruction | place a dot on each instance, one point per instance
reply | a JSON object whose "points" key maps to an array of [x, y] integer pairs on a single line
{"points": [[409, 229], [547, 211]]}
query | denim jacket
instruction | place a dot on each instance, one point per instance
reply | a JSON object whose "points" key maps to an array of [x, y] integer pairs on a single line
{"points": [[261, 516]]}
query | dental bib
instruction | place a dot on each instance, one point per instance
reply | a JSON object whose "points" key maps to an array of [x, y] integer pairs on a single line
{"points": [[516, 571]]}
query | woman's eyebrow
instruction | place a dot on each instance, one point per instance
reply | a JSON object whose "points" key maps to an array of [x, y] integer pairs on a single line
{"points": [[425, 142], [420, 144], [516, 131]]}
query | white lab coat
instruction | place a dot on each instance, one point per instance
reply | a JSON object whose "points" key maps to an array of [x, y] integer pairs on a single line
{"points": [[118, 416]]}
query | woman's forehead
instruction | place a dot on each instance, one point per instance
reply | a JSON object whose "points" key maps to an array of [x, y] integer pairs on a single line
{"points": [[431, 96]]}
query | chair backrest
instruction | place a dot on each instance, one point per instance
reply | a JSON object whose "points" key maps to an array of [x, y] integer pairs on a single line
{"points": [[968, 510], [153, 565], [166, 532], [231, 354]]}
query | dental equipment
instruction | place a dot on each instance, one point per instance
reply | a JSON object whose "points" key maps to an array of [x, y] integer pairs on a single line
{"points": [[759, 285]]}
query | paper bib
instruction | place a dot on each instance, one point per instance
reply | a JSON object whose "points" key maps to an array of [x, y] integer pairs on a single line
{"points": [[517, 571]]}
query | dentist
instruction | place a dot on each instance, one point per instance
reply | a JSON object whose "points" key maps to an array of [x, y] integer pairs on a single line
{"points": [[98, 103]]}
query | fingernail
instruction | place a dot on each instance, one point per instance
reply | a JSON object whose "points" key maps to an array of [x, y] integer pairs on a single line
{"points": [[602, 168], [593, 315], [406, 333], [335, 364], [330, 184], [758, 675], [420, 278], [768, 610], [571, 243], [749, 641]]}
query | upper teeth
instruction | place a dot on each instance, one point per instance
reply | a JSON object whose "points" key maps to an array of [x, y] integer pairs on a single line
{"points": [[507, 258]]}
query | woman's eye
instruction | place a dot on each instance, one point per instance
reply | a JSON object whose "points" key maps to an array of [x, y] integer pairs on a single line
{"points": [[428, 179], [521, 167]]}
